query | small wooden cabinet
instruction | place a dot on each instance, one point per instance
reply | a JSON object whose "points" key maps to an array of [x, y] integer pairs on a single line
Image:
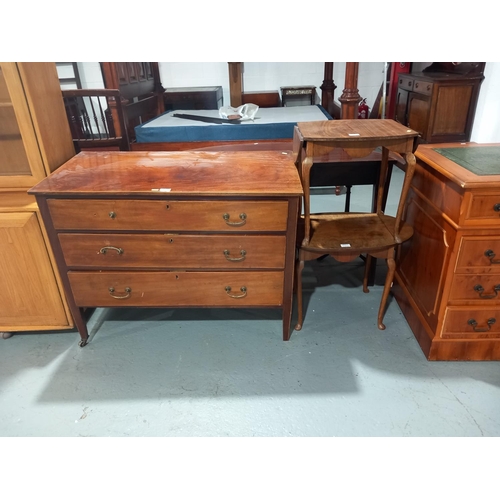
{"points": [[439, 106], [448, 275], [34, 140], [185, 229], [193, 98]]}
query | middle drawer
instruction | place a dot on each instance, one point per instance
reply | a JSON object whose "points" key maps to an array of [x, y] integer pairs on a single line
{"points": [[174, 251]]}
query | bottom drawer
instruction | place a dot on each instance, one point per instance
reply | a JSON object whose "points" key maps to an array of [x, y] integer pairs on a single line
{"points": [[471, 323], [164, 289]]}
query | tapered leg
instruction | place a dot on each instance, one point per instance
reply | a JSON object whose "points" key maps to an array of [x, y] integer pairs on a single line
{"points": [[368, 266], [391, 264], [298, 277]]}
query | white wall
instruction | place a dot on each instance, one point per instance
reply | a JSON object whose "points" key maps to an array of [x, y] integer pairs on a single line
{"points": [[487, 120], [271, 76]]}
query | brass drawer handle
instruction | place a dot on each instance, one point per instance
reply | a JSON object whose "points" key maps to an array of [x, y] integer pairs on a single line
{"points": [[479, 289], [243, 254], [233, 296], [119, 251], [126, 296], [491, 255], [243, 218], [473, 323], [496, 207], [112, 214]]}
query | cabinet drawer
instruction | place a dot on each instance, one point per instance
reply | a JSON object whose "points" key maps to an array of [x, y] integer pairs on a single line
{"points": [[169, 215], [484, 288], [173, 251], [405, 83], [422, 87], [479, 255], [163, 289], [485, 208], [468, 323]]}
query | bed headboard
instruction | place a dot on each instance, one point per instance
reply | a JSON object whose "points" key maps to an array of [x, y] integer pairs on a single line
{"points": [[140, 88]]}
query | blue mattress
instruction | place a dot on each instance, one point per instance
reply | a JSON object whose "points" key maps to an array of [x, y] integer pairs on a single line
{"points": [[269, 123]]}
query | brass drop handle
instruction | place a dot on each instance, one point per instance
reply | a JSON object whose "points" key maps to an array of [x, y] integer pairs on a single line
{"points": [[119, 251], [473, 323], [112, 214], [243, 254], [496, 207], [233, 296], [243, 218], [491, 255], [128, 290], [479, 289]]}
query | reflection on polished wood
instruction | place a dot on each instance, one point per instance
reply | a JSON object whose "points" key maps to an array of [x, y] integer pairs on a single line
{"points": [[345, 236]]}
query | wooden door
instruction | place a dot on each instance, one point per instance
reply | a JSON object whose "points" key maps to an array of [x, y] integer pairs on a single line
{"points": [[29, 296], [418, 113], [20, 161], [401, 106]]}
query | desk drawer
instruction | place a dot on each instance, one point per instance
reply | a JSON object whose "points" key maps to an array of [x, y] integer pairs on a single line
{"points": [[163, 289], [485, 208], [184, 251], [479, 255], [471, 323], [169, 215], [483, 288]]}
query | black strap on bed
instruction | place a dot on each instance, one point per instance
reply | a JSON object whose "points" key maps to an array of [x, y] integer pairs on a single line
{"points": [[206, 119]]}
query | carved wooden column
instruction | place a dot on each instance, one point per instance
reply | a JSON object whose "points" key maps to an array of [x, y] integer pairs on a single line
{"points": [[236, 83], [350, 97], [328, 88]]}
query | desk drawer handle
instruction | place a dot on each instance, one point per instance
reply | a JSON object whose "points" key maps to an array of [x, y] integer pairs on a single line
{"points": [[233, 296], [473, 323], [479, 289], [235, 259], [112, 214], [243, 218], [126, 296], [496, 207], [491, 255], [119, 251]]}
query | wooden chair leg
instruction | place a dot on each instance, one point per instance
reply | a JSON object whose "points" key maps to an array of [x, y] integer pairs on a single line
{"points": [[298, 276], [391, 264], [366, 278]]}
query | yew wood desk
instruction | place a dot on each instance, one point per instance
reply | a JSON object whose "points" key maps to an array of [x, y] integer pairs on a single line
{"points": [[451, 298], [174, 229]]}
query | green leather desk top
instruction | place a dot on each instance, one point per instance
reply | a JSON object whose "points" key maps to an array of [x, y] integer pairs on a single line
{"points": [[478, 160]]}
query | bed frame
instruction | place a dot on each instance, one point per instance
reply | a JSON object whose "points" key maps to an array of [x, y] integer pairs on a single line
{"points": [[142, 100]]}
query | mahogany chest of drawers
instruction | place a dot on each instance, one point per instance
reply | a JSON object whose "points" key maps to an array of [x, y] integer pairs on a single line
{"points": [[448, 274], [180, 229]]}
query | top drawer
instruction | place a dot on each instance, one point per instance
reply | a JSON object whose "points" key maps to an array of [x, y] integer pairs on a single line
{"points": [[422, 87], [405, 82], [484, 207], [169, 215]]}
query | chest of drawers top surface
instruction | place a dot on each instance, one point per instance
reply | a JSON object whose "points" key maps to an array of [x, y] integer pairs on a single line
{"points": [[172, 174]]}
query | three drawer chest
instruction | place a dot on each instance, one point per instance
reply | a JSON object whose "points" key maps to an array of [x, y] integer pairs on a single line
{"points": [[178, 229]]}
